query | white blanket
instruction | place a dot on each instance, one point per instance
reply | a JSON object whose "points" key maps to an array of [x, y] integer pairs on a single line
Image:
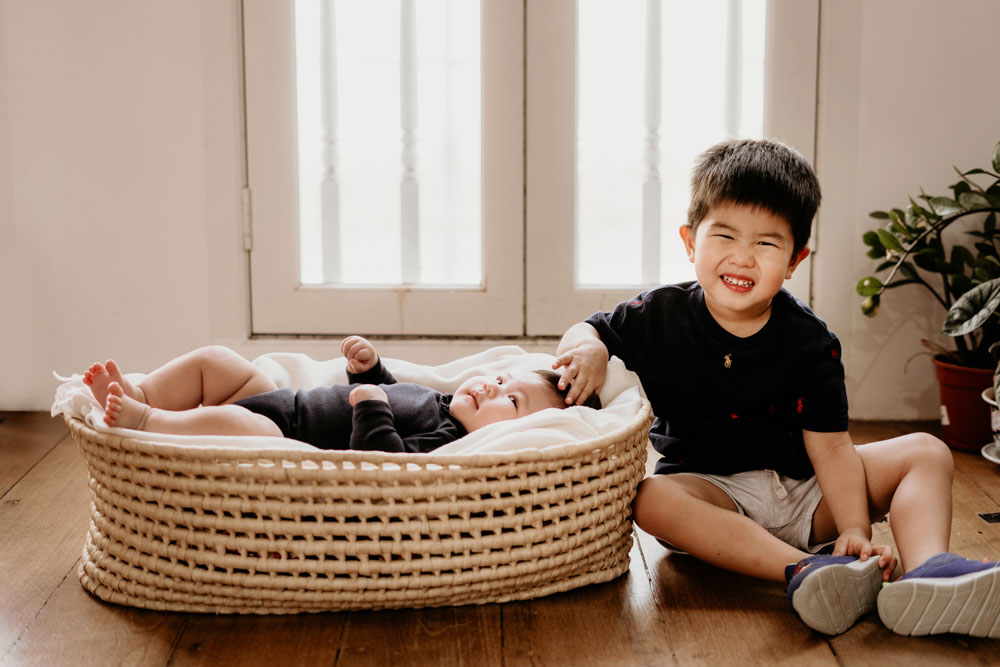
{"points": [[620, 396]]}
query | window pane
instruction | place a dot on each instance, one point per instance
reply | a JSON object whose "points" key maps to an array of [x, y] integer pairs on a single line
{"points": [[377, 130], [639, 134]]}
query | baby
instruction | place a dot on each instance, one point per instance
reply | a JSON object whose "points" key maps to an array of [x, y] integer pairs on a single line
{"points": [[215, 391]]}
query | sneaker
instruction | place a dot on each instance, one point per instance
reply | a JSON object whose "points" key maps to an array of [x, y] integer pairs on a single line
{"points": [[947, 593], [829, 593]]}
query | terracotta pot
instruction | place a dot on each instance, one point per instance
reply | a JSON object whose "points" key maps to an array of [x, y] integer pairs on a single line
{"points": [[965, 418]]}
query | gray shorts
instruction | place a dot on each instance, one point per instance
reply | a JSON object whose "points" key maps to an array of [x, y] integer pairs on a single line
{"points": [[782, 505]]}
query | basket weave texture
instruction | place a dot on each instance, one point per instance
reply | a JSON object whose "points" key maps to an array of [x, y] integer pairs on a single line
{"points": [[227, 530]]}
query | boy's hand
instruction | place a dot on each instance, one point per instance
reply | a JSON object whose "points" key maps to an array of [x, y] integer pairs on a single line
{"points": [[854, 542], [360, 354], [367, 392], [586, 368]]}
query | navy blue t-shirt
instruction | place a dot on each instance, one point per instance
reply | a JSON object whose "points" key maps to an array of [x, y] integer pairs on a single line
{"points": [[726, 404]]}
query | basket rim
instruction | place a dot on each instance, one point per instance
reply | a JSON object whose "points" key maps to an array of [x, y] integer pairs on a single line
{"points": [[640, 421]]}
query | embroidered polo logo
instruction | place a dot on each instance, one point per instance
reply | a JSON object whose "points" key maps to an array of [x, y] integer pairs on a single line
{"points": [[728, 363]]}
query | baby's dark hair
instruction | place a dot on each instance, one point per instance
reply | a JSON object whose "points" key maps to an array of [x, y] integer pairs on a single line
{"points": [[552, 378], [759, 173]]}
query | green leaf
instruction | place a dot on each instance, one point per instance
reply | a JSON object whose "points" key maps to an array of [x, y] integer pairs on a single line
{"points": [[944, 206], [869, 307], [974, 307], [869, 286], [996, 157], [879, 215], [973, 200], [960, 285], [885, 265], [888, 240], [977, 170], [877, 253], [871, 238], [986, 249]]}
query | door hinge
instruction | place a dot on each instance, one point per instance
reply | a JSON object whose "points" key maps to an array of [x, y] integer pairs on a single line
{"points": [[247, 220]]}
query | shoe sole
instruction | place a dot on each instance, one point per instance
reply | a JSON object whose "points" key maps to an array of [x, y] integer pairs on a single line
{"points": [[969, 605], [832, 598]]}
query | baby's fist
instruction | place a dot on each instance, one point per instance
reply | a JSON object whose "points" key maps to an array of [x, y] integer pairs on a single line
{"points": [[360, 354], [367, 392]]}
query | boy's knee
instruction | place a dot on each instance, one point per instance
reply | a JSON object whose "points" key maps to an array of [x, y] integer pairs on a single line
{"points": [[652, 495], [930, 450], [216, 353]]}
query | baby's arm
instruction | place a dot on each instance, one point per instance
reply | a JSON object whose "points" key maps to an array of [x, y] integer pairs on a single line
{"points": [[363, 365], [841, 478], [372, 423], [585, 358]]}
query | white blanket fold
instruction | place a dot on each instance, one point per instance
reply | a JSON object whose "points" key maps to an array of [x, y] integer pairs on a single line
{"points": [[620, 396]]}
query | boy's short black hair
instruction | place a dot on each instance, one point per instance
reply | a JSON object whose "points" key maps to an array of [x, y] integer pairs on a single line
{"points": [[552, 378], [760, 173]]}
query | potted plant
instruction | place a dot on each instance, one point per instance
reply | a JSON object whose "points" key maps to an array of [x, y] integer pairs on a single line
{"points": [[975, 309], [909, 244]]}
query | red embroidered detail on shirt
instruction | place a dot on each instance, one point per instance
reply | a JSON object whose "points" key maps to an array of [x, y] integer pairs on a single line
{"points": [[798, 406], [635, 304], [734, 415], [834, 353]]}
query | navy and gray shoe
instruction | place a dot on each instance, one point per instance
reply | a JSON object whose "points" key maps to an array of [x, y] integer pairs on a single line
{"points": [[947, 593], [829, 593]]}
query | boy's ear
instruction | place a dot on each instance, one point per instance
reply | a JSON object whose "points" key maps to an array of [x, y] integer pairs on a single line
{"points": [[796, 260], [687, 236]]}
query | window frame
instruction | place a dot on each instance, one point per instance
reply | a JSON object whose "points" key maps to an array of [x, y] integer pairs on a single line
{"points": [[280, 304], [529, 173]]}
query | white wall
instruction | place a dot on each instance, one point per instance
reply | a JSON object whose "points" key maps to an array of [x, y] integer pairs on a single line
{"points": [[907, 89], [120, 178]]}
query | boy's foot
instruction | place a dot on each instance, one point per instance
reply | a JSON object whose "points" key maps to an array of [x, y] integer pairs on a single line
{"points": [[123, 411], [947, 593], [829, 593], [99, 376]]}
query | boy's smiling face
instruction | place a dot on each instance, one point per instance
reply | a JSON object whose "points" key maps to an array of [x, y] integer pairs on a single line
{"points": [[742, 255]]}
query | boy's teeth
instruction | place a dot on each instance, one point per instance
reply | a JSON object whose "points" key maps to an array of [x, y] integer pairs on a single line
{"points": [[739, 283]]}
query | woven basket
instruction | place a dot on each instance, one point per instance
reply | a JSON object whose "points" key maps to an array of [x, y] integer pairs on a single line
{"points": [[226, 530]]}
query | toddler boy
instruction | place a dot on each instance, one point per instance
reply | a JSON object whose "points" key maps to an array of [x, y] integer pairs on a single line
{"points": [[758, 472]]}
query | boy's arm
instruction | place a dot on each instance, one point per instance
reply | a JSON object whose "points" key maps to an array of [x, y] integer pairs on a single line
{"points": [[585, 358], [841, 478]]}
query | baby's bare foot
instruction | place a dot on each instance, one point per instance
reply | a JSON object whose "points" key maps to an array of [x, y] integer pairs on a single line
{"points": [[124, 411], [99, 376]]}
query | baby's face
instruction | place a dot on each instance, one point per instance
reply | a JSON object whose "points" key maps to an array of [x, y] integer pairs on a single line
{"points": [[483, 400]]}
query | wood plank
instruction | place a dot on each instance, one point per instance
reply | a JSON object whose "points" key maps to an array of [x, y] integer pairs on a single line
{"points": [[43, 519], [984, 474], [302, 639], [74, 628], [25, 437], [469, 635], [617, 622], [712, 616]]}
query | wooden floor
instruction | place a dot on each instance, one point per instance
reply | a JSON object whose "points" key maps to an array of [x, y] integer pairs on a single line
{"points": [[668, 609]]}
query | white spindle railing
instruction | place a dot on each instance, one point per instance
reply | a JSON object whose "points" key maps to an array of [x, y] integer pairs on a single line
{"points": [[409, 193], [651, 187], [734, 69], [330, 183]]}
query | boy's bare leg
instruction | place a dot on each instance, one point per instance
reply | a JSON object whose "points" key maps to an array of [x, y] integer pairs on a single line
{"points": [[125, 412], [909, 478], [697, 516], [213, 375]]}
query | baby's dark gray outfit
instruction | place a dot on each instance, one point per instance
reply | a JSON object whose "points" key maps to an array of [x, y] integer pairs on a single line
{"points": [[416, 418]]}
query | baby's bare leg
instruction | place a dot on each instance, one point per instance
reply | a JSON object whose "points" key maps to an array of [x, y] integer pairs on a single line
{"points": [[125, 412], [213, 375], [99, 376]]}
